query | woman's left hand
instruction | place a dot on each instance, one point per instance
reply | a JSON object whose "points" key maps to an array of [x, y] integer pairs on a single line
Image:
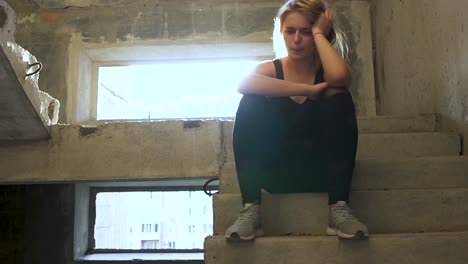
{"points": [[324, 24]]}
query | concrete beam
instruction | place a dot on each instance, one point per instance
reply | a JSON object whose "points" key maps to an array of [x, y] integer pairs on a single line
{"points": [[116, 151]]}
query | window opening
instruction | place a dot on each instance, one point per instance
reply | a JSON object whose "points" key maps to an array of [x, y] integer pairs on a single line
{"points": [[186, 89], [160, 217]]}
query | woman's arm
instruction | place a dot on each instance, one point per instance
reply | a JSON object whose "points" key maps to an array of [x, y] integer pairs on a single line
{"points": [[337, 72], [262, 82]]}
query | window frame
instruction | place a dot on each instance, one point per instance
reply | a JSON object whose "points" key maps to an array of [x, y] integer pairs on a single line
{"points": [[90, 191], [84, 59], [87, 58]]}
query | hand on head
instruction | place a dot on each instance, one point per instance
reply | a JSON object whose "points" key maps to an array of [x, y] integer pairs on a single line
{"points": [[324, 24]]}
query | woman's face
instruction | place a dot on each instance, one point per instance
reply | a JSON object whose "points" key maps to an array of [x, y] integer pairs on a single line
{"points": [[297, 35]]}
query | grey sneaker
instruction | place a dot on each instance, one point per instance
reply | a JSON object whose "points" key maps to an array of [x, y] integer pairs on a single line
{"points": [[247, 225], [342, 223]]}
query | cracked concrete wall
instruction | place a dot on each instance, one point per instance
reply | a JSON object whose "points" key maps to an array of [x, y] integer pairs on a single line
{"points": [[46, 107], [7, 22], [53, 31], [421, 64], [19, 75], [49, 32]]}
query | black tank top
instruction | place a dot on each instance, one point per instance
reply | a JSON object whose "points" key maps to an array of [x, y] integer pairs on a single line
{"points": [[299, 120], [280, 74]]}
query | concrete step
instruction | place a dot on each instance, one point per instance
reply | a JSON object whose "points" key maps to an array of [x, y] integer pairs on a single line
{"points": [[428, 248], [389, 174], [397, 145], [386, 124], [376, 124], [398, 211], [397, 124], [393, 145], [415, 173]]}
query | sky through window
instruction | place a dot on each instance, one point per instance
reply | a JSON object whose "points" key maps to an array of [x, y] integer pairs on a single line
{"points": [[171, 90]]}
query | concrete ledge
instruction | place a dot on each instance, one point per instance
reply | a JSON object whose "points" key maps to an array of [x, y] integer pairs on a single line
{"points": [[388, 174], [383, 211], [116, 151], [430, 248], [168, 149]]}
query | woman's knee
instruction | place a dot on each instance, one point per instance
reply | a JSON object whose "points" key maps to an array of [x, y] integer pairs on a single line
{"points": [[337, 105]]}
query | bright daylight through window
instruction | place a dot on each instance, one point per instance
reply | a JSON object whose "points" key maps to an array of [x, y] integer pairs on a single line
{"points": [[188, 89], [152, 220]]}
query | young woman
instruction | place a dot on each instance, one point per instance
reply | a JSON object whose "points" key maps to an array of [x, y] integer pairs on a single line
{"points": [[295, 128]]}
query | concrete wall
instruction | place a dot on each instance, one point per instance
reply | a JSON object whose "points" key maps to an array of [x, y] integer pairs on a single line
{"points": [[56, 35], [420, 68], [421, 59], [7, 22]]}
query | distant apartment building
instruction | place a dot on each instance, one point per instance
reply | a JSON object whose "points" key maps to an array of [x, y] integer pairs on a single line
{"points": [[152, 220]]}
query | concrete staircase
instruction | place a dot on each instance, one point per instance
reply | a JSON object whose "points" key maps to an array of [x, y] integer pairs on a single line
{"points": [[410, 187]]}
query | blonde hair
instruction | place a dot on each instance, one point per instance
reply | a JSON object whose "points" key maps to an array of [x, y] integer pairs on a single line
{"points": [[313, 9]]}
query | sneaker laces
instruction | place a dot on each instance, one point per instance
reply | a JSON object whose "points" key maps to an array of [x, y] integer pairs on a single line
{"points": [[246, 214], [343, 213]]}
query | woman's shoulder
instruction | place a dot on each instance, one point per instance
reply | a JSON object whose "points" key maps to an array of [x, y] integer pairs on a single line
{"points": [[266, 68]]}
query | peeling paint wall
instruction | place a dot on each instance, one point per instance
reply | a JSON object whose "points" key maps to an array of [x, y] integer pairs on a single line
{"points": [[422, 59]]}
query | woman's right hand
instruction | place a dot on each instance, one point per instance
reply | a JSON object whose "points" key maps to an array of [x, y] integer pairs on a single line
{"points": [[324, 24], [313, 90]]}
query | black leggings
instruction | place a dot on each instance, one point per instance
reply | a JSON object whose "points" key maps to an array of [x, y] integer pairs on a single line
{"points": [[285, 147]]}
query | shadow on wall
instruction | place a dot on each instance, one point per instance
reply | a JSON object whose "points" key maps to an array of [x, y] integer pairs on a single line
{"points": [[36, 224]]}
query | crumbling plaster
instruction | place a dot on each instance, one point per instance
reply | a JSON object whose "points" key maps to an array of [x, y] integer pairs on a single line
{"points": [[27, 111], [421, 60], [46, 106]]}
